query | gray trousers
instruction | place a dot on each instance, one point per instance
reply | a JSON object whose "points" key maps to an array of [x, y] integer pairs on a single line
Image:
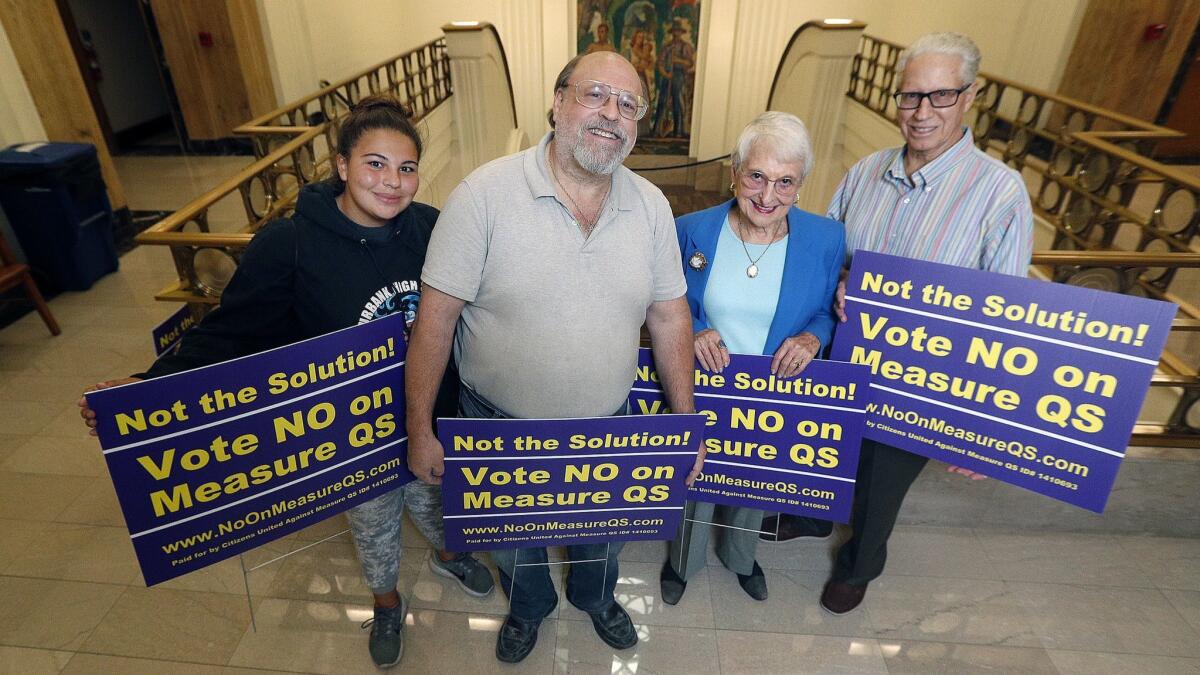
{"points": [[735, 548], [376, 528]]}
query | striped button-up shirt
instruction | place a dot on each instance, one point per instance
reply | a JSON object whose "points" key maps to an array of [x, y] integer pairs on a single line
{"points": [[963, 208]]}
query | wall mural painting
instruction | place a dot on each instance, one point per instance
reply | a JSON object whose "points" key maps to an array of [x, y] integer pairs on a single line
{"points": [[659, 37]]}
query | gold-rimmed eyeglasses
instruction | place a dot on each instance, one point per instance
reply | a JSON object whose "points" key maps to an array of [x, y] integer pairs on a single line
{"points": [[593, 94]]}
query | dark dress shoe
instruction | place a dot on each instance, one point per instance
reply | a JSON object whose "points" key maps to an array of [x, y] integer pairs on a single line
{"points": [[794, 527], [755, 584], [614, 626], [517, 638], [671, 584], [840, 597]]}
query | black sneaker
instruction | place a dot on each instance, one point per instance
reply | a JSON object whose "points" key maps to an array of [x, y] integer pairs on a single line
{"points": [[387, 634], [516, 639], [472, 577], [614, 626]]}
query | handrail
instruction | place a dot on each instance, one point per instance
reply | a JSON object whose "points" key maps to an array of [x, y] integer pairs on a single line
{"points": [[825, 24], [160, 232], [419, 78], [261, 122], [1115, 258], [437, 47], [293, 147], [1100, 141], [470, 26]]}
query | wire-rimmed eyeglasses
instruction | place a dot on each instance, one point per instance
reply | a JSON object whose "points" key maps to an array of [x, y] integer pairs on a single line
{"points": [[593, 94], [941, 98], [785, 186]]}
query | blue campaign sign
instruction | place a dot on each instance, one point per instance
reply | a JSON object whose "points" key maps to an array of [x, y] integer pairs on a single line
{"points": [[1036, 384], [783, 445], [168, 333], [524, 483], [219, 460]]}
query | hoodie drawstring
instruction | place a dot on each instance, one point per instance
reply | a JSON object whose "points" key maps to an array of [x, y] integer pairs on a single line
{"points": [[375, 263]]}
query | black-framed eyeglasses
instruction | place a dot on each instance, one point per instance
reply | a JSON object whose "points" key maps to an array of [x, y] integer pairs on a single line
{"points": [[593, 94], [942, 98], [785, 186]]}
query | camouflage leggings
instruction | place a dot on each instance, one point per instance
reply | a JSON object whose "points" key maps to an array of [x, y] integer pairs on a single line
{"points": [[376, 528]]}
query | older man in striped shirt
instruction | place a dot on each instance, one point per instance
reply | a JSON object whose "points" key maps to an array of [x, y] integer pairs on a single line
{"points": [[936, 198]]}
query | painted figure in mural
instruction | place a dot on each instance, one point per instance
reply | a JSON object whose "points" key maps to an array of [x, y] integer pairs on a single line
{"points": [[591, 12], [676, 64], [641, 55], [602, 43]]}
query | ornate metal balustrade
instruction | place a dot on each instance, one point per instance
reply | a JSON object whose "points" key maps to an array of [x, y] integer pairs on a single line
{"points": [[419, 78], [1123, 222], [293, 145]]}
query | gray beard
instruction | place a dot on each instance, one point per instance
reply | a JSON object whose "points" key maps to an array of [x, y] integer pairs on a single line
{"points": [[600, 163]]}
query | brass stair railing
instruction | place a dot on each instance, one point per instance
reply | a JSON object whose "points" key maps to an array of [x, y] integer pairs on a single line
{"points": [[293, 145], [1123, 222]]}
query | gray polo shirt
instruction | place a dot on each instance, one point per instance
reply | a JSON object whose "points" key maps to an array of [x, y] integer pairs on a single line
{"points": [[552, 320]]}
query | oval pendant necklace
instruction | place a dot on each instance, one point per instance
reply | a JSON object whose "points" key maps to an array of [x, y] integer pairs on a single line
{"points": [[752, 270]]}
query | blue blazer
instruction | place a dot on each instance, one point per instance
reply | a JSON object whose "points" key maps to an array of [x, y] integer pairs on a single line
{"points": [[815, 254]]}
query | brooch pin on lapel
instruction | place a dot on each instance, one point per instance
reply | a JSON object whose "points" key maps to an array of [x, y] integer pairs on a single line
{"points": [[697, 262]]}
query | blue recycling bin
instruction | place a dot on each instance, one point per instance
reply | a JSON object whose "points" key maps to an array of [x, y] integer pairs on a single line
{"points": [[55, 200]]}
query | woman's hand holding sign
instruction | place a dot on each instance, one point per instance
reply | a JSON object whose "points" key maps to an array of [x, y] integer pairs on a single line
{"points": [[794, 355], [89, 415], [710, 350]]}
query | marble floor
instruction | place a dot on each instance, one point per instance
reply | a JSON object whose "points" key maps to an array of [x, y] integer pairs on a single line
{"points": [[981, 576]]}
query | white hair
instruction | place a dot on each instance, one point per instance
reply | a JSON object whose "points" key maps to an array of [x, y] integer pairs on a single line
{"points": [[950, 44], [784, 136]]}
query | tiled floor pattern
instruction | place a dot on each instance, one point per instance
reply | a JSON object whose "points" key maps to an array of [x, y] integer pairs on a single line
{"points": [[981, 577]]}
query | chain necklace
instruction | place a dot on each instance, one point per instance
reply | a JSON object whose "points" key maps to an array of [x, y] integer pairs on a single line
{"points": [[585, 224], [752, 270]]}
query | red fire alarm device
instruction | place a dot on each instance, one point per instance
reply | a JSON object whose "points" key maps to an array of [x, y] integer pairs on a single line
{"points": [[206, 39], [1154, 31]]}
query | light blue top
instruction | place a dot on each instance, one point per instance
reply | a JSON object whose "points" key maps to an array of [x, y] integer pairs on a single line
{"points": [[810, 274], [739, 308]]}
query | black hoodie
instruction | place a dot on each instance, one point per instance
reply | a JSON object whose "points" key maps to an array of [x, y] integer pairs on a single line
{"points": [[308, 275]]}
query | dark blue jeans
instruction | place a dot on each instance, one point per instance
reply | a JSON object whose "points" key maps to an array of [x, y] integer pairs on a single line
{"points": [[530, 591]]}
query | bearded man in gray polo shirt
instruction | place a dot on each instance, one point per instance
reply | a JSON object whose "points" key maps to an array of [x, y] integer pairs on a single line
{"points": [[548, 262]]}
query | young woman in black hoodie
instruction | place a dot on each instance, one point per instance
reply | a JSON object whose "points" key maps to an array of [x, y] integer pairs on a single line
{"points": [[351, 252]]}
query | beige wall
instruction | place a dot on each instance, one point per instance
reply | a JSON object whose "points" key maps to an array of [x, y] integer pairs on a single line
{"points": [[20, 115], [22, 123], [530, 33], [311, 40]]}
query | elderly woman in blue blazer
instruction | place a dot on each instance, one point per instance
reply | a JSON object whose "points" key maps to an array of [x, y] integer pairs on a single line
{"points": [[761, 276]]}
